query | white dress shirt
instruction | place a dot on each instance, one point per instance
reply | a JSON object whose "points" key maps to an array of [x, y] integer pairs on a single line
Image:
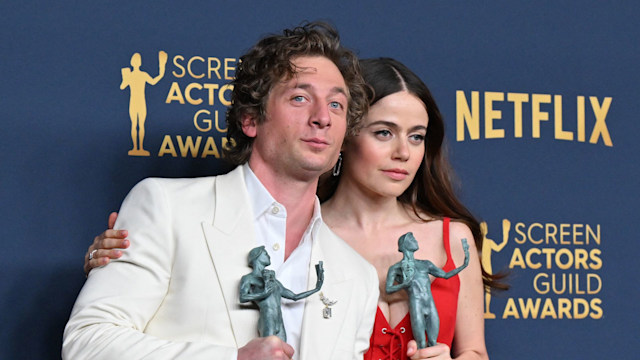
{"points": [[271, 223]]}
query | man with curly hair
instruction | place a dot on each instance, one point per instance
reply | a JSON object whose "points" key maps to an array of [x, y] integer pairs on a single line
{"points": [[175, 292]]}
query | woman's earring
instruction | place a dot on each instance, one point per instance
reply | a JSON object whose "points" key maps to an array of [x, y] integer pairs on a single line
{"points": [[337, 166]]}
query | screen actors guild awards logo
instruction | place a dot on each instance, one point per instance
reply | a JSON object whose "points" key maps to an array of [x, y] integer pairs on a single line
{"points": [[136, 80]]}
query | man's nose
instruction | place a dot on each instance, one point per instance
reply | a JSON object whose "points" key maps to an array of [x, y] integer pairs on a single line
{"points": [[320, 116]]}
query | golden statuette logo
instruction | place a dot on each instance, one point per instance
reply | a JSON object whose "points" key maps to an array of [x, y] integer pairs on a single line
{"points": [[136, 80], [489, 246]]}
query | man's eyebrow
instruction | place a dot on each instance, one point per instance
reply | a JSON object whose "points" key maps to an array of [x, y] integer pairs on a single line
{"points": [[334, 90], [340, 90]]}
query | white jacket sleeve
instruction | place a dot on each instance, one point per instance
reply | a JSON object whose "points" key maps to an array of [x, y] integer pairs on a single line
{"points": [[109, 318]]}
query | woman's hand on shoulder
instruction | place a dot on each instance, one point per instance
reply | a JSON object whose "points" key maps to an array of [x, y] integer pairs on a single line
{"points": [[105, 246]]}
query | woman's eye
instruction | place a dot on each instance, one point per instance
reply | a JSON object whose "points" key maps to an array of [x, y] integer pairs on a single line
{"points": [[416, 138], [383, 134]]}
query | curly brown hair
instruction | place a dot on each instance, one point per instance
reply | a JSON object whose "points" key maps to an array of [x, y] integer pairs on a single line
{"points": [[270, 61]]}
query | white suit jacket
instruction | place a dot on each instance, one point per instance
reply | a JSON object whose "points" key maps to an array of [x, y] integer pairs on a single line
{"points": [[175, 291]]}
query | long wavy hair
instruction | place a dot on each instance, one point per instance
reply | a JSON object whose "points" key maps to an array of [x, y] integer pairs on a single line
{"points": [[431, 192], [270, 61]]}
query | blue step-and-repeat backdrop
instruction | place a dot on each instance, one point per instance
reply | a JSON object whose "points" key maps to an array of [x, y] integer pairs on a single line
{"points": [[541, 101]]}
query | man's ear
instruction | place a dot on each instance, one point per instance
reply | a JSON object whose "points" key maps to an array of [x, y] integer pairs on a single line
{"points": [[249, 125]]}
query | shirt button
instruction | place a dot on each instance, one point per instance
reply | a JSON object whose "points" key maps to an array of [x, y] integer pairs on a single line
{"points": [[276, 247], [275, 210]]}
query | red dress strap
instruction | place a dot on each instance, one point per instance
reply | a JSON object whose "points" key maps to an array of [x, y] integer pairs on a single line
{"points": [[445, 237], [445, 291]]}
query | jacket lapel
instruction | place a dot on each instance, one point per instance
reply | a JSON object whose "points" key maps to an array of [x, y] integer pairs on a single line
{"points": [[230, 236], [320, 335]]}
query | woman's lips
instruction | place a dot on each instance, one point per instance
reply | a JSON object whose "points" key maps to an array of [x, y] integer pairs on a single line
{"points": [[396, 174]]}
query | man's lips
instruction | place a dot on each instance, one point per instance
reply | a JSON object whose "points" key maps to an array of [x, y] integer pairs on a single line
{"points": [[319, 143]]}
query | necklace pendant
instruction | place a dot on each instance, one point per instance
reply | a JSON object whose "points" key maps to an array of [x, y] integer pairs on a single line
{"points": [[326, 312]]}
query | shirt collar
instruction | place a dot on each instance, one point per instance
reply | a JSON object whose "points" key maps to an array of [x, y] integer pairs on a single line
{"points": [[259, 197], [261, 200], [316, 218]]}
